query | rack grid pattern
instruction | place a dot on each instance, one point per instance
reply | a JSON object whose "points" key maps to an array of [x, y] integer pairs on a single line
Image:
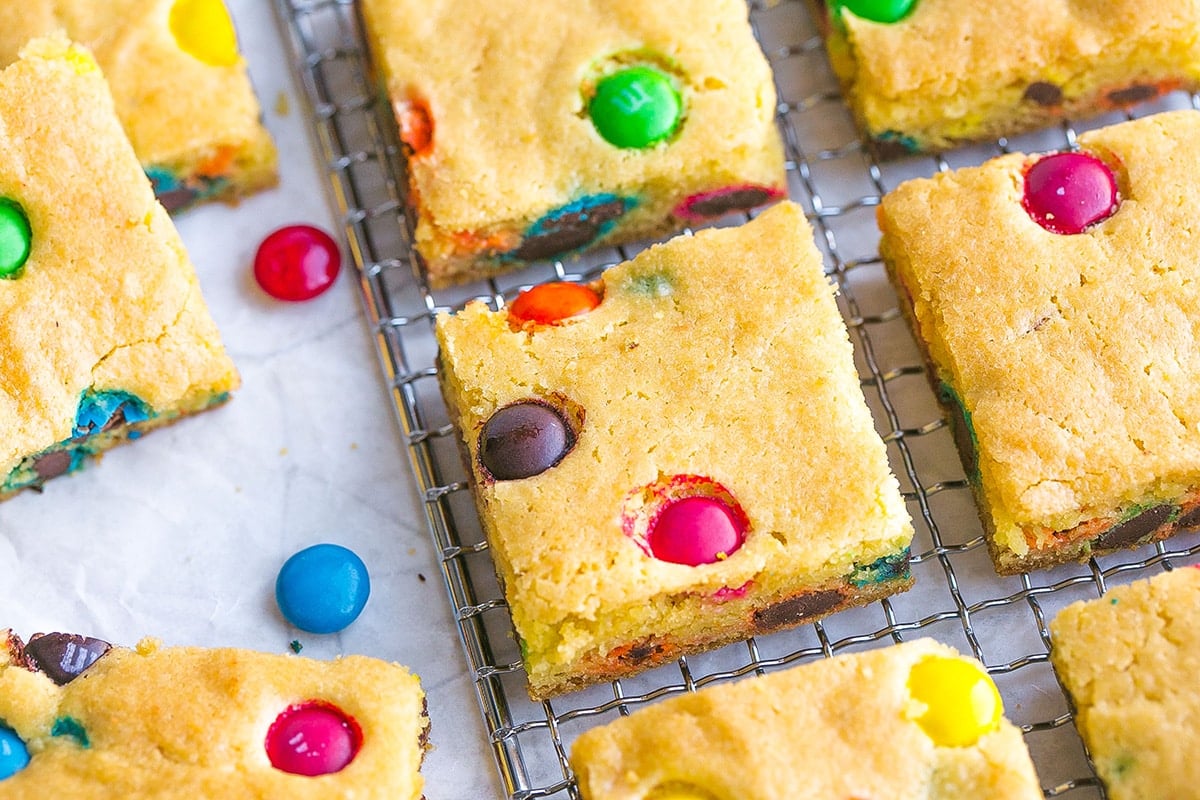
{"points": [[958, 598]]}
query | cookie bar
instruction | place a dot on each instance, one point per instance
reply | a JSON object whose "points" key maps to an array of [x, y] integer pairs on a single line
{"points": [[80, 718], [105, 333], [1129, 661], [1056, 297], [675, 457], [179, 84], [910, 720], [535, 133], [927, 75]]}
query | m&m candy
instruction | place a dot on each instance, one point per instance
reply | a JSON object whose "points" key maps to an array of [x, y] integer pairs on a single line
{"points": [[956, 701], [297, 262], [14, 757], [549, 303], [323, 588], [16, 238], [1067, 193], [312, 738], [524, 439], [636, 107], [203, 30], [878, 10], [695, 530]]}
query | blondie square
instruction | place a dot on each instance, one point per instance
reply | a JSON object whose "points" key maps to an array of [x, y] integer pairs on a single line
{"points": [[687, 461], [179, 84], [1057, 297], [1129, 661], [906, 721], [535, 131], [932, 74], [80, 718], [105, 333]]}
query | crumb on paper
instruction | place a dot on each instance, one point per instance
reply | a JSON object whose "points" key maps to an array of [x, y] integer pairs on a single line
{"points": [[420, 577], [412, 551], [282, 105], [296, 646], [354, 445], [283, 451]]}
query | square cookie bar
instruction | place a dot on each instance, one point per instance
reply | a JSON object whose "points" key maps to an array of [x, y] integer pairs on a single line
{"points": [[675, 457], [179, 84], [1057, 298], [906, 721], [932, 74], [105, 334], [534, 132], [80, 718], [1129, 661]]}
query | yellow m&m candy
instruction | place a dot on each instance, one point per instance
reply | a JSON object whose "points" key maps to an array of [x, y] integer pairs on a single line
{"points": [[203, 30], [953, 700]]}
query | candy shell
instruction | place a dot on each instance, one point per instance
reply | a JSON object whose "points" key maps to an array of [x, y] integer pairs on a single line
{"points": [[297, 262], [1067, 193], [524, 439], [549, 303], [203, 30], [14, 757], [16, 238], [879, 10], [312, 738], [323, 588], [955, 701], [636, 107], [694, 531]]}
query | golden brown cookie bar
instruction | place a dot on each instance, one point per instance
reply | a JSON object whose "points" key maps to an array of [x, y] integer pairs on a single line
{"points": [[1129, 660], [179, 84], [689, 461], [1056, 298], [535, 132], [81, 719], [932, 74], [906, 721], [105, 333]]}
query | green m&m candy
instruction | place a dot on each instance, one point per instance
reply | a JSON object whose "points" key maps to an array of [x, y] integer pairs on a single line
{"points": [[636, 107], [16, 238], [879, 10]]}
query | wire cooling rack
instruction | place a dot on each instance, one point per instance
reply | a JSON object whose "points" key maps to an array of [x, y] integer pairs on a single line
{"points": [[957, 599]]}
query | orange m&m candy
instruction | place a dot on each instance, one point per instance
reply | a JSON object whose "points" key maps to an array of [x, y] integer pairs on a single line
{"points": [[550, 303]]}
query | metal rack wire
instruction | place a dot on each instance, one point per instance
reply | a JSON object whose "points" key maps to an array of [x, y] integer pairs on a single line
{"points": [[958, 597]]}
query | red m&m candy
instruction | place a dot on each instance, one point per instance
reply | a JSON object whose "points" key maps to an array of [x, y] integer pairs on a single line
{"points": [[312, 738], [296, 263], [1067, 193], [695, 530], [550, 303]]}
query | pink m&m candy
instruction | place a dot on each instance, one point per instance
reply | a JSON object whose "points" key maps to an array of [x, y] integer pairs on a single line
{"points": [[695, 530], [312, 738], [1069, 192], [296, 263]]}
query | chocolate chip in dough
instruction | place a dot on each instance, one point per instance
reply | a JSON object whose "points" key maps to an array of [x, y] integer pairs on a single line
{"points": [[796, 609], [1136, 528]]}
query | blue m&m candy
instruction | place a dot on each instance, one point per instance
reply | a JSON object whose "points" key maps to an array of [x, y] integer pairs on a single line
{"points": [[323, 588], [13, 755]]}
